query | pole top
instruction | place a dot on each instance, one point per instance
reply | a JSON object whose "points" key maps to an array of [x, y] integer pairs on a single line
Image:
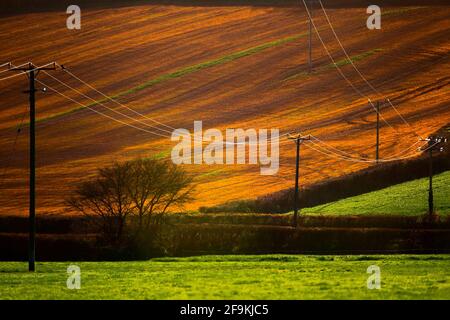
{"points": [[434, 143], [32, 67], [298, 136]]}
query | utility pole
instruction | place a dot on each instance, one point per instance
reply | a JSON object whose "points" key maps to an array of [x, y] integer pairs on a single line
{"points": [[430, 185], [32, 71], [377, 144], [298, 141], [377, 156], [433, 144], [310, 2]]}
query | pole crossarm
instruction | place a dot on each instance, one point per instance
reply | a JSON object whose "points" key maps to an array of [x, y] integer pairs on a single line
{"points": [[298, 136], [434, 143], [31, 66]]}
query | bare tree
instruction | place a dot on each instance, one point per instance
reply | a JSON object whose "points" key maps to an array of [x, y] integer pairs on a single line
{"points": [[106, 197], [144, 189], [155, 186]]}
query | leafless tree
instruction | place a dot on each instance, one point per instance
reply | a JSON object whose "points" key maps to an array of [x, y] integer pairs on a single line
{"points": [[155, 187], [143, 190]]}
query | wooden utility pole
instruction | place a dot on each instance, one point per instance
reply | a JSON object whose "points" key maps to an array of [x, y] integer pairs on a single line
{"points": [[310, 2], [430, 183], [298, 141], [433, 144], [377, 143], [377, 156], [32, 71]]}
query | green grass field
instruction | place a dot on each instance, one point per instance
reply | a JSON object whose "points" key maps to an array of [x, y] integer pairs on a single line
{"points": [[409, 198], [235, 277]]}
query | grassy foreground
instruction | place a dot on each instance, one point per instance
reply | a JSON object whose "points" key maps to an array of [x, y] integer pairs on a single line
{"points": [[409, 198], [235, 277]]}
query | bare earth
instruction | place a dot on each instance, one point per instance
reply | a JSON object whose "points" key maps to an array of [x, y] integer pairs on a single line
{"points": [[120, 48]]}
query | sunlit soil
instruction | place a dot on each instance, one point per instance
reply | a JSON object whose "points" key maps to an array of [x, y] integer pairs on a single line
{"points": [[118, 50]]}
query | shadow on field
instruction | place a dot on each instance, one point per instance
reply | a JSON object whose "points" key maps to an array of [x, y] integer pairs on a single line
{"points": [[10, 7]]}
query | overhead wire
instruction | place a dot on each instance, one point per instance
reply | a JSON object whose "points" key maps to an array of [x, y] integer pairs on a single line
{"points": [[167, 126], [350, 60], [125, 115], [115, 119], [22, 72], [330, 153], [339, 69], [352, 156], [128, 108], [96, 111], [13, 149], [125, 106]]}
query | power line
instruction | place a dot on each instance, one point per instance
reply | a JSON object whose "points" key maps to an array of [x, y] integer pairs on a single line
{"points": [[404, 151], [377, 152], [98, 112], [4, 65], [332, 154], [404, 120], [109, 98], [335, 155], [122, 105], [126, 107], [25, 71], [344, 153], [13, 149], [310, 39], [337, 66], [114, 119], [9, 65], [359, 72], [132, 110], [114, 100], [347, 155], [103, 105], [101, 113], [136, 112]]}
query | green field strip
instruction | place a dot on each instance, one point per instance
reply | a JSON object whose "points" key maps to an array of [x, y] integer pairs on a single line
{"points": [[408, 198], [340, 63], [398, 11], [185, 71]]}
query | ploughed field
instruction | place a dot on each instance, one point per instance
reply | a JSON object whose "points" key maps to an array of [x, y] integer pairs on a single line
{"points": [[230, 67]]}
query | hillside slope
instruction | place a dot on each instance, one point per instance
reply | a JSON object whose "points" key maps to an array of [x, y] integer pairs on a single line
{"points": [[409, 198], [231, 67]]}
